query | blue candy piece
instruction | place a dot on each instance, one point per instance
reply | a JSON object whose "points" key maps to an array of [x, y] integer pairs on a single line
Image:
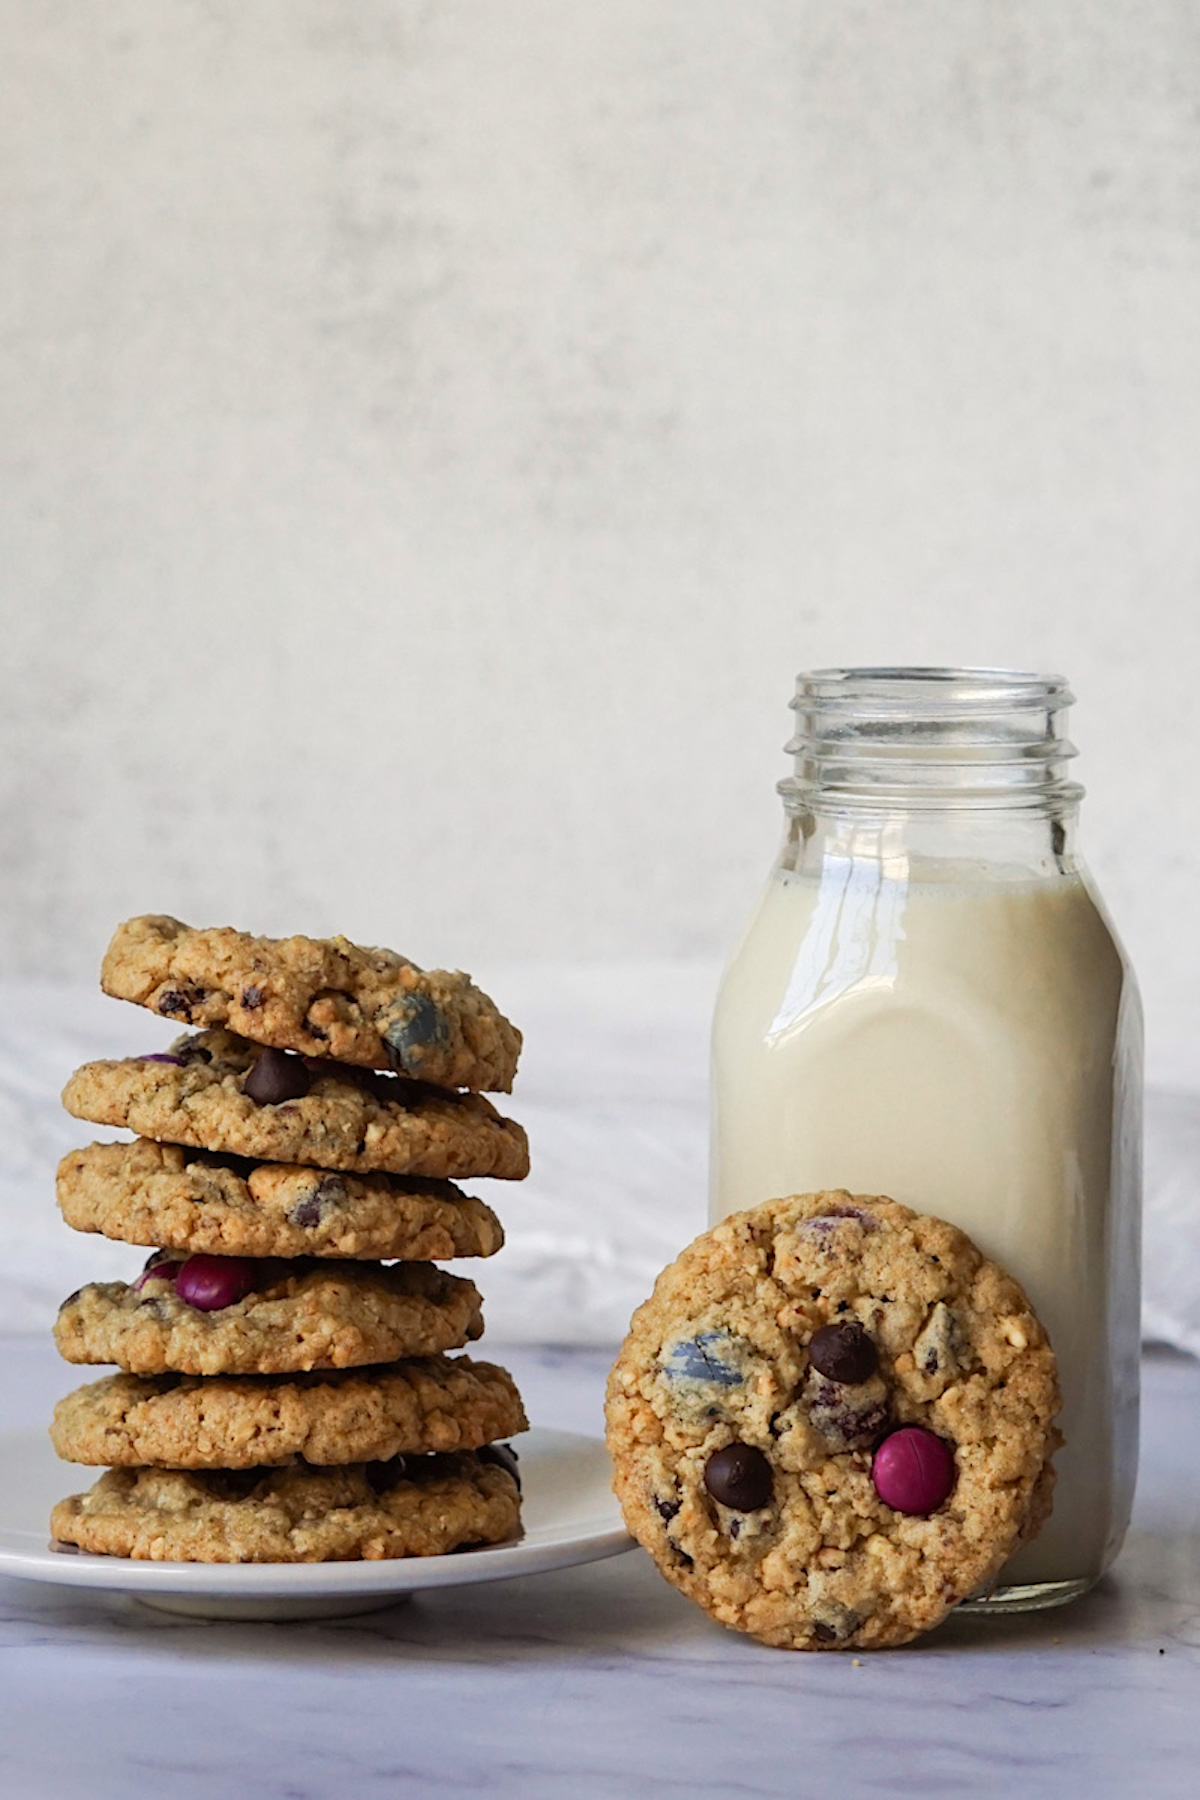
{"points": [[415, 1026], [699, 1359]]}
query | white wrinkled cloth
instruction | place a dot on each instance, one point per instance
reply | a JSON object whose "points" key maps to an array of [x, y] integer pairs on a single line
{"points": [[613, 1092]]}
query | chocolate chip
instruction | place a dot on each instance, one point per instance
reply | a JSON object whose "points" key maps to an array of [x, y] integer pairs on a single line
{"points": [[190, 1050], [847, 1419], [940, 1347], [739, 1476], [252, 997], [504, 1457], [415, 1026], [177, 1003], [70, 1298], [838, 1624], [276, 1076], [666, 1509], [843, 1352], [329, 1193], [383, 1476]]}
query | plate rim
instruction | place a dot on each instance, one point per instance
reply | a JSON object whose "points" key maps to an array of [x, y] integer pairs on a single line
{"points": [[593, 1539]]}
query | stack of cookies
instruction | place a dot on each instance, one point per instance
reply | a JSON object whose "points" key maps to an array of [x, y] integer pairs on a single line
{"points": [[285, 1393]]}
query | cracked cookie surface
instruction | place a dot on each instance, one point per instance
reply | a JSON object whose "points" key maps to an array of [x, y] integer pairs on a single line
{"points": [[757, 1384], [297, 1315], [254, 1421], [324, 997], [180, 1199], [426, 1506], [335, 1116]]}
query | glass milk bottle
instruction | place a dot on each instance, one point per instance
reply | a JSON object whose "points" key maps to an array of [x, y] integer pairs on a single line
{"points": [[930, 1003]]}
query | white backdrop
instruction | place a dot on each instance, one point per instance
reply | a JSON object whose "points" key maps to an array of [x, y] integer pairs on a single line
{"points": [[434, 434]]}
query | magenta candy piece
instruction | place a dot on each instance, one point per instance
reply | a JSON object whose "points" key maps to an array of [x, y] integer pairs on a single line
{"points": [[159, 1268], [159, 1056], [913, 1470], [210, 1282]]}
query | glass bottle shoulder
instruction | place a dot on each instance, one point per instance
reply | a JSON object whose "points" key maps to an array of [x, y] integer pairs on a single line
{"points": [[947, 937]]}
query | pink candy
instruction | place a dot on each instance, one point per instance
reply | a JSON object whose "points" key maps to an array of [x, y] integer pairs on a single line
{"points": [[913, 1470], [210, 1282], [159, 1268]]}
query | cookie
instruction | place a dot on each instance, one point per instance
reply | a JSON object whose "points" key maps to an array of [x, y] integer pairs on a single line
{"points": [[324, 997], [215, 1091], [290, 1316], [164, 1195], [254, 1421], [420, 1506], [832, 1421]]}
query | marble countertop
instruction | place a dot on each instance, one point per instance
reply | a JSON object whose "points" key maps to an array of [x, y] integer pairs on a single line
{"points": [[602, 1681]]}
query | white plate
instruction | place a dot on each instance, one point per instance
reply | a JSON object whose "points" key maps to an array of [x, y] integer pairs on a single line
{"points": [[569, 1512]]}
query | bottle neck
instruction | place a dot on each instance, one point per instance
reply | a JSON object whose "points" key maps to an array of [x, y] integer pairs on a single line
{"points": [[944, 771]]}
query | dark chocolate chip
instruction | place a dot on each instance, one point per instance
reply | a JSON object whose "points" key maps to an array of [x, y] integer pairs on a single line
{"points": [[739, 1476], [847, 1421], [177, 1003], [838, 1623], [681, 1556], [188, 1050], [70, 1298], [843, 1352], [416, 1025], [504, 1457], [735, 1528], [329, 1193], [666, 1509], [383, 1476], [252, 997], [276, 1076]]}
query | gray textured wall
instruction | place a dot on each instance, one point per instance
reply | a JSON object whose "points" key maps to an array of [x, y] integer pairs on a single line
{"points": [[435, 433]]}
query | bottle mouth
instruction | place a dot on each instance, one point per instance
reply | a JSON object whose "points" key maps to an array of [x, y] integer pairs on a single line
{"points": [[931, 737]]}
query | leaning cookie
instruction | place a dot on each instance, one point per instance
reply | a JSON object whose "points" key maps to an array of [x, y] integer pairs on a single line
{"points": [[179, 1199], [251, 1421], [321, 996], [222, 1315], [423, 1506], [214, 1091], [832, 1420]]}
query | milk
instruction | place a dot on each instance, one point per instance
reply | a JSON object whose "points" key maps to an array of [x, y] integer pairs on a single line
{"points": [[969, 1046]]}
